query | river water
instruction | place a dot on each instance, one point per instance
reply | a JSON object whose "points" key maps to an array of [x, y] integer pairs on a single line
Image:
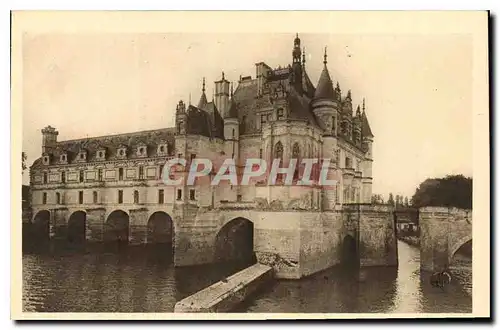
{"points": [[135, 281]]}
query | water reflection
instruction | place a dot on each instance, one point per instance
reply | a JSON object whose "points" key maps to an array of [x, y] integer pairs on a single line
{"points": [[139, 280], [402, 289]]}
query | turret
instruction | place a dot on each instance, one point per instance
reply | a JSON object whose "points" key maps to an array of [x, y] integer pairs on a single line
{"points": [[181, 118], [366, 134], [222, 96], [324, 103], [346, 120], [296, 65], [231, 128], [356, 133], [49, 139]]}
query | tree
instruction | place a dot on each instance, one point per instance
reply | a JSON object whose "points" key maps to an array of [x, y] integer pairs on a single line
{"points": [[450, 191], [23, 161], [390, 201]]}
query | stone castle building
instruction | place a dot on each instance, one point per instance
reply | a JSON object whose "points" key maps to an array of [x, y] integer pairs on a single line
{"points": [[111, 187]]}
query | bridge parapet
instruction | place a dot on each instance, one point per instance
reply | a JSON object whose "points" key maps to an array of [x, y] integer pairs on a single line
{"points": [[227, 205]]}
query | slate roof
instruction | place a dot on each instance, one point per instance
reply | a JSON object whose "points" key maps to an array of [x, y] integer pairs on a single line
{"points": [[365, 126], [325, 86], [111, 143]]}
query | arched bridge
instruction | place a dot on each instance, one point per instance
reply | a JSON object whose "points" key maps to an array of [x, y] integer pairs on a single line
{"points": [[443, 231]]}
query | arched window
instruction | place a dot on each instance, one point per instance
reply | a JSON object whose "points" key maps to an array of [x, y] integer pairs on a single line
{"points": [[296, 151], [136, 197], [296, 155], [278, 151]]}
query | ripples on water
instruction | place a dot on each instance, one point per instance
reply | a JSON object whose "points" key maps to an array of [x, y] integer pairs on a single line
{"points": [[130, 282]]}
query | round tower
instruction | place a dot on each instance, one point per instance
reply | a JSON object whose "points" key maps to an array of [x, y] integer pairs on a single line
{"points": [[325, 107]]}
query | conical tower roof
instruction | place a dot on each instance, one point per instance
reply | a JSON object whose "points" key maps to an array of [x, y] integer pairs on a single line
{"points": [[325, 85], [365, 126]]}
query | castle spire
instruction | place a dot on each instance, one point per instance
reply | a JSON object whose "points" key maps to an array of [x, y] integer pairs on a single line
{"points": [[203, 99], [232, 90], [358, 112], [363, 105], [324, 57], [296, 50], [303, 56]]}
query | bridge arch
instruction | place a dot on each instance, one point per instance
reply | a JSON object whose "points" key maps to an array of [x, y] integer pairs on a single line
{"points": [[41, 225], [117, 227], [160, 228], [77, 227], [455, 247], [349, 251], [234, 241]]}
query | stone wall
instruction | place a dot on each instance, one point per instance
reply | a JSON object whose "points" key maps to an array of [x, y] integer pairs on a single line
{"points": [[377, 233], [442, 232]]}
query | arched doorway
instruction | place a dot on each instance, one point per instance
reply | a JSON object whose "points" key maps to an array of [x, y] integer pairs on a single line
{"points": [[41, 226], [234, 241], [349, 252], [160, 236], [117, 227], [77, 225]]}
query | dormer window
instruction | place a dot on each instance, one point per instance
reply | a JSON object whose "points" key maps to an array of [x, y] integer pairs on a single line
{"points": [[46, 159], [63, 158], [281, 114], [82, 155], [142, 150], [101, 154], [121, 152], [163, 149]]}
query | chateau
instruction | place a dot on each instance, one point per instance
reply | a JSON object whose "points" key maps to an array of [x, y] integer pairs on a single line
{"points": [[111, 187]]}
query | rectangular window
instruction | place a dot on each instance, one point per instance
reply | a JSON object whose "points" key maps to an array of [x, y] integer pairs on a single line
{"points": [[58, 198], [160, 175], [120, 174], [81, 176], [348, 163], [44, 198], [179, 194], [161, 196], [141, 172], [263, 119], [63, 177], [94, 194], [192, 194], [120, 196], [179, 155], [99, 174], [136, 197], [260, 153], [80, 197], [44, 177]]}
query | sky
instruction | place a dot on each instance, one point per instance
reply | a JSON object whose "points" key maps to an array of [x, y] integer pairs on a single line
{"points": [[418, 88]]}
